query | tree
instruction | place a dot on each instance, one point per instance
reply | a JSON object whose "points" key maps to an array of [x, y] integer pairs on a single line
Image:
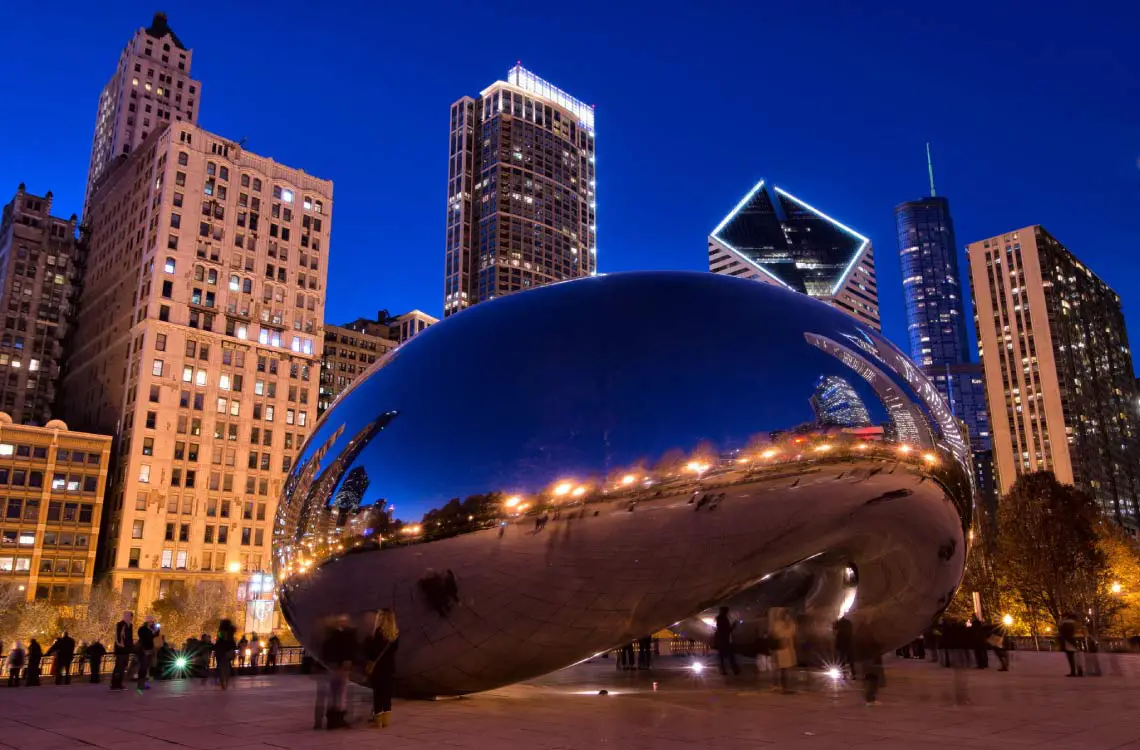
{"points": [[1048, 547], [184, 614]]}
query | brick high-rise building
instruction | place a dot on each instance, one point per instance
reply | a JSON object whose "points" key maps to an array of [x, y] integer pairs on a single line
{"points": [[348, 352], [151, 87], [54, 481], [521, 193], [40, 267], [199, 346], [1058, 370]]}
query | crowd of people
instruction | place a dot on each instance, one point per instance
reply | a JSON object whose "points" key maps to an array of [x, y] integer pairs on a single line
{"points": [[142, 654], [345, 651]]}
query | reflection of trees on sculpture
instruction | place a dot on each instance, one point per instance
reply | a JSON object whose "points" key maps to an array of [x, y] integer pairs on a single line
{"points": [[476, 512]]}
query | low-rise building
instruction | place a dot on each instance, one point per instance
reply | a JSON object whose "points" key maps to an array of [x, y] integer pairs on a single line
{"points": [[52, 480]]}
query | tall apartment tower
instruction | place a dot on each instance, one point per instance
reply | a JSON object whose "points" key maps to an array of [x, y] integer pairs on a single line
{"points": [[151, 87], [521, 192], [199, 346], [936, 319], [40, 268], [774, 237], [1058, 370]]}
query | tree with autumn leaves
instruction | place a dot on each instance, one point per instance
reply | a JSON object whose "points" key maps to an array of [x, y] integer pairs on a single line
{"points": [[1050, 551]]}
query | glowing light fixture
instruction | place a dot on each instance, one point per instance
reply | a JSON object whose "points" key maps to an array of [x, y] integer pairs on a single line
{"points": [[563, 488]]}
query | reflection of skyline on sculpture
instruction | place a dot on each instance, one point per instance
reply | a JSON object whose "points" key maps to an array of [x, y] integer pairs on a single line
{"points": [[559, 466], [836, 404]]}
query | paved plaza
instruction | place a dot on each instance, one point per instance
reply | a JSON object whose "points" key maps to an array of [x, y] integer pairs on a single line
{"points": [[1032, 705]]}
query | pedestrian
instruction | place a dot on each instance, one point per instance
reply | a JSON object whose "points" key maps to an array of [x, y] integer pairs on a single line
{"points": [[35, 656], [844, 637], [124, 647], [380, 652], [81, 658], [224, 646], [1067, 635], [243, 652], [63, 652], [979, 641], [872, 680], [254, 653], [16, 658], [202, 658], [273, 653], [625, 661], [146, 648], [996, 641], [337, 653], [722, 641], [94, 654], [645, 652], [782, 631]]}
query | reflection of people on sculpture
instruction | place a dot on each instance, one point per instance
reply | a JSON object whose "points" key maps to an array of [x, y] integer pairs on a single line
{"points": [[440, 590]]}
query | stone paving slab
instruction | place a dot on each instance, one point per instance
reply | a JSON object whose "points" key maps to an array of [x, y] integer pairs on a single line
{"points": [[924, 707]]}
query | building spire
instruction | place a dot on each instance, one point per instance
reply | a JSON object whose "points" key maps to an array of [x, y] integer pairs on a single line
{"points": [[930, 169]]}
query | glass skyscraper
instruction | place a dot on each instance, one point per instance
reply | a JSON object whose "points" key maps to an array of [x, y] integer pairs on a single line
{"points": [[936, 316], [774, 237]]}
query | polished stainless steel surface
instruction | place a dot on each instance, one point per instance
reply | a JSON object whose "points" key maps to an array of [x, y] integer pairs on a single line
{"points": [[556, 472]]}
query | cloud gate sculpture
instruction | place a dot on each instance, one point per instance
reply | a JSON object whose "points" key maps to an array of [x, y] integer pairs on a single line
{"points": [[560, 471]]}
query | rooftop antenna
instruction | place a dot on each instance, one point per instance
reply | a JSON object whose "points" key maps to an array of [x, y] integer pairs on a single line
{"points": [[930, 169]]}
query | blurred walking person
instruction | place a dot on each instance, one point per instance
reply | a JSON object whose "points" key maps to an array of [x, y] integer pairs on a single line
{"points": [[872, 680], [782, 631], [124, 647], [722, 641], [16, 659], [35, 656], [1067, 635], [337, 653], [224, 646], [380, 652]]}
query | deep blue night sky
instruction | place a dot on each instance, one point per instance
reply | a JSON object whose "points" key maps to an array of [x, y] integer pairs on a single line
{"points": [[1034, 117]]}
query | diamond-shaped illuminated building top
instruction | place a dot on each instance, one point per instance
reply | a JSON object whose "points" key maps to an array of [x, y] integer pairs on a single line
{"points": [[774, 237]]}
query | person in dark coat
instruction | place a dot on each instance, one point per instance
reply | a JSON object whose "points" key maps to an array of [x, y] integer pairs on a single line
{"points": [[202, 658], [979, 642], [1067, 635], [94, 654], [722, 641], [224, 647], [64, 652], [35, 655], [844, 639], [81, 658], [380, 665], [124, 647], [146, 651]]}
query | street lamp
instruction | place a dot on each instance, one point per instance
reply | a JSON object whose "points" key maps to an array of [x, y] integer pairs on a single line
{"points": [[563, 488], [1116, 587], [1007, 620]]}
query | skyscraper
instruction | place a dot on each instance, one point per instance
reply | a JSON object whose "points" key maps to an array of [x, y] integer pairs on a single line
{"points": [[521, 192], [199, 345], [1058, 370], [774, 237], [151, 87], [936, 317], [40, 267]]}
